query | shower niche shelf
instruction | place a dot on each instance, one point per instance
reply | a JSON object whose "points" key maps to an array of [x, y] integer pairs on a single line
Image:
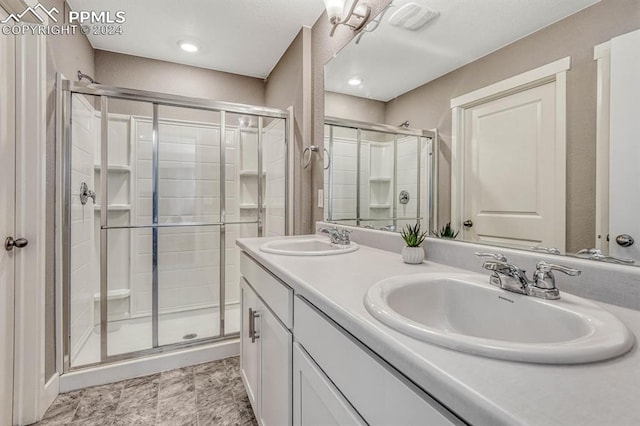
{"points": [[122, 168], [251, 206], [251, 173], [114, 207]]}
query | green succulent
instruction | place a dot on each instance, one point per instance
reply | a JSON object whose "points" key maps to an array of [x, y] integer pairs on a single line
{"points": [[412, 235], [446, 232]]}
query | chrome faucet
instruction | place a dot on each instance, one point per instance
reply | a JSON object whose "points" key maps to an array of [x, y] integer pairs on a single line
{"points": [[511, 278], [596, 254], [337, 236]]}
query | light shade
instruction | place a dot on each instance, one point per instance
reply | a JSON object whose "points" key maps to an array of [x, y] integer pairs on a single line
{"points": [[335, 9]]}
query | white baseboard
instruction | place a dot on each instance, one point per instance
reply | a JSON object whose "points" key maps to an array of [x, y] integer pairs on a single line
{"points": [[148, 365], [49, 394]]}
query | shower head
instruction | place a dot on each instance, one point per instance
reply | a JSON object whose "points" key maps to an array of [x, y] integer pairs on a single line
{"points": [[86, 77]]}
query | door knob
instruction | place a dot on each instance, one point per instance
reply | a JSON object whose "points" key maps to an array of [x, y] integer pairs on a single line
{"points": [[467, 223], [10, 243], [625, 240]]}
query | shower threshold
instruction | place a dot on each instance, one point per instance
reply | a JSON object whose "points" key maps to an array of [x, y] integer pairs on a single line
{"points": [[134, 334]]}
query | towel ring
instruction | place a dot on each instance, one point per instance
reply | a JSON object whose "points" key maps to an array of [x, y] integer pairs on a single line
{"points": [[311, 149]]}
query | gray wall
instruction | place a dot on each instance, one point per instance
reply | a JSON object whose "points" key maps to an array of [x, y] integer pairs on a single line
{"points": [[354, 108], [429, 106], [286, 87]]}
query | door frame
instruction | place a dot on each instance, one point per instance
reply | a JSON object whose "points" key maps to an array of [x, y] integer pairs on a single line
{"points": [[31, 395], [552, 72], [7, 220], [602, 56]]}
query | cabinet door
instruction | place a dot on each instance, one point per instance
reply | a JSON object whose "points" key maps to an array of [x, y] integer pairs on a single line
{"points": [[249, 351], [275, 371], [316, 400]]}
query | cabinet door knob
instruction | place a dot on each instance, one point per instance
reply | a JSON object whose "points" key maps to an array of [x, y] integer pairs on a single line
{"points": [[10, 243]]}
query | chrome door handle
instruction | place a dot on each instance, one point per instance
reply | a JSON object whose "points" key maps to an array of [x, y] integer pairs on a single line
{"points": [[625, 240], [467, 223], [10, 243]]}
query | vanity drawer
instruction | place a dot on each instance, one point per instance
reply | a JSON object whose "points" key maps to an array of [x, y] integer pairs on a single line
{"points": [[275, 294], [380, 394]]}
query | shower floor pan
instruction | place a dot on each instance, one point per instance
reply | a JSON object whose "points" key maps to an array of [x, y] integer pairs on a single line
{"points": [[135, 334]]}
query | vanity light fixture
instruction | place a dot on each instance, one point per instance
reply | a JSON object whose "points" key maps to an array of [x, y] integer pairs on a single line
{"points": [[356, 18], [188, 46], [355, 81]]}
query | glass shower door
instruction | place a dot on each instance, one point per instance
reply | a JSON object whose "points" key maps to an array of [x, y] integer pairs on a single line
{"points": [[187, 239]]}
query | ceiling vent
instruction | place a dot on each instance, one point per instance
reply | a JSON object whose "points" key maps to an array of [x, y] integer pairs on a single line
{"points": [[412, 16]]}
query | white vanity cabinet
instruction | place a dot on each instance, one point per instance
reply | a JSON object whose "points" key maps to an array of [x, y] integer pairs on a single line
{"points": [[379, 393], [327, 377], [316, 400], [266, 344]]}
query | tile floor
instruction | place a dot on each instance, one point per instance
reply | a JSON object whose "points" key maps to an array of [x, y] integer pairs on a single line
{"points": [[204, 394]]}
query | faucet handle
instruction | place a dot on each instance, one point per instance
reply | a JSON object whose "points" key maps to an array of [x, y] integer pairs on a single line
{"points": [[550, 250], [497, 256], [546, 267]]}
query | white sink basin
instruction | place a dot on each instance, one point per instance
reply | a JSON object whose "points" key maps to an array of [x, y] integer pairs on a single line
{"points": [[306, 247], [465, 313]]}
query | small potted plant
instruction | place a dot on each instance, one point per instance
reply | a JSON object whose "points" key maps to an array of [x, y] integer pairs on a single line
{"points": [[446, 232], [413, 237]]}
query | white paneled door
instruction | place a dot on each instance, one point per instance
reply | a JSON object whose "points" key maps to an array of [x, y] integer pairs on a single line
{"points": [[7, 221], [510, 172], [624, 181]]}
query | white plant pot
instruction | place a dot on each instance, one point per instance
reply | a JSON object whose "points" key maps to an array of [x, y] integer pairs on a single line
{"points": [[412, 255]]}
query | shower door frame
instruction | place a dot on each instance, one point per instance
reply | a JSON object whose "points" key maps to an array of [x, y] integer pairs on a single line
{"points": [[432, 190], [66, 88]]}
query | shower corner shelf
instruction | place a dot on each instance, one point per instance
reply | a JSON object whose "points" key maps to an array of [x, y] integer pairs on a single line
{"points": [[380, 179], [114, 207], [114, 168], [251, 206], [251, 173], [379, 206]]}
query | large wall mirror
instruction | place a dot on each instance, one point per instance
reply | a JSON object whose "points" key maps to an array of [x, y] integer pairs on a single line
{"points": [[535, 106]]}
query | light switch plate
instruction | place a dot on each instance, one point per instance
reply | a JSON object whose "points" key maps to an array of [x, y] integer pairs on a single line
{"points": [[321, 198]]}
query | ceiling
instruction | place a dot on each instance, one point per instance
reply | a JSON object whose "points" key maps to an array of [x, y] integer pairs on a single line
{"points": [[391, 61], [245, 37]]}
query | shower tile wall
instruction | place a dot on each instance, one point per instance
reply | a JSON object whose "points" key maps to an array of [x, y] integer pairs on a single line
{"points": [[274, 161], [407, 167], [189, 191], [344, 164], [85, 130]]}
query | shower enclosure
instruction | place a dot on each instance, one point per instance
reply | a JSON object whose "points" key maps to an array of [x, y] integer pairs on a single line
{"points": [[156, 189], [379, 176]]}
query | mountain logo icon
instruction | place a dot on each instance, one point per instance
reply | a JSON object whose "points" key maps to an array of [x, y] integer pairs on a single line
{"points": [[34, 11]]}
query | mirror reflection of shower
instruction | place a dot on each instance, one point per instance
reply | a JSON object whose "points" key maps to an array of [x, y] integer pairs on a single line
{"points": [[380, 176]]}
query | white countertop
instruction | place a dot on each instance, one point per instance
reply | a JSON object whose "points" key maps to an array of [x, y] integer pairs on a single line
{"points": [[483, 391]]}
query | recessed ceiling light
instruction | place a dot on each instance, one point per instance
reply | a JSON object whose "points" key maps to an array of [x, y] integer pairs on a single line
{"points": [[355, 81], [188, 46]]}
